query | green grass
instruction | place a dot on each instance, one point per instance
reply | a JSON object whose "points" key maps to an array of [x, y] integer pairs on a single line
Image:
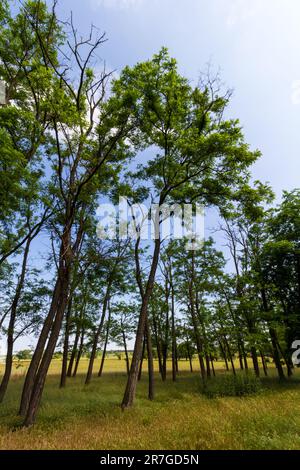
{"points": [[181, 417]]}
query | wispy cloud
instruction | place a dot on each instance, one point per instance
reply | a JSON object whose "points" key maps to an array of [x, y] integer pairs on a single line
{"points": [[116, 4]]}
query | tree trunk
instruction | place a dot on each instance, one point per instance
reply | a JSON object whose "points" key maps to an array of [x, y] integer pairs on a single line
{"points": [[74, 352], [207, 360], [150, 361], [264, 363], [79, 354], [275, 353], [97, 335], [77, 337], [142, 359], [287, 360], [174, 348], [240, 355], [64, 366], [134, 369], [195, 322], [223, 352], [126, 352], [11, 326], [212, 365], [165, 345], [255, 360], [39, 380], [230, 355], [273, 336], [189, 356], [105, 343], [37, 355], [158, 348]]}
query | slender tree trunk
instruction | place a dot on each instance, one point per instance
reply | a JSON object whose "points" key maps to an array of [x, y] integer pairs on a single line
{"points": [[63, 377], [105, 343], [97, 335], [240, 355], [158, 348], [79, 354], [223, 352], [74, 352], [77, 337], [245, 358], [195, 321], [174, 348], [276, 354], [273, 336], [11, 326], [255, 360], [150, 361], [40, 377], [130, 390], [207, 360], [126, 352], [165, 345], [287, 360], [212, 365], [38, 353], [142, 359], [264, 363], [189, 356], [230, 355]]}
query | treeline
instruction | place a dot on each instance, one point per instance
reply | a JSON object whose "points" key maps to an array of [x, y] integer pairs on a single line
{"points": [[71, 135]]}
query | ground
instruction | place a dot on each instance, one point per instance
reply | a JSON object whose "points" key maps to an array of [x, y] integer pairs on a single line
{"points": [[181, 417]]}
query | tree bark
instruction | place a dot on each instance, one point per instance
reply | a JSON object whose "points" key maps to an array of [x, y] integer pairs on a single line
{"points": [[74, 352], [105, 343], [150, 361], [130, 389], [63, 377], [265, 369], [126, 352], [79, 354], [39, 380], [195, 320], [11, 326], [174, 347], [97, 335], [37, 355], [142, 359], [189, 356]]}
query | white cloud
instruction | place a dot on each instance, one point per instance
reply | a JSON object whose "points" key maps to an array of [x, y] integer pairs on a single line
{"points": [[242, 10], [116, 4]]}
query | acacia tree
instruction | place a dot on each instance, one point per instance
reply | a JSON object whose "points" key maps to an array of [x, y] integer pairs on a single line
{"points": [[13, 310], [25, 116], [198, 155], [85, 150]]}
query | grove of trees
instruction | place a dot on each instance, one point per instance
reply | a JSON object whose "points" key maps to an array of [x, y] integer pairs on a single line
{"points": [[73, 135]]}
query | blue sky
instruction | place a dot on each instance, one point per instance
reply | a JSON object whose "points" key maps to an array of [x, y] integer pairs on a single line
{"points": [[254, 43]]}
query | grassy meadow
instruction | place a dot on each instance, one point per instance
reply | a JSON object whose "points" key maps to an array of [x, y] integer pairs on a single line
{"points": [[181, 417]]}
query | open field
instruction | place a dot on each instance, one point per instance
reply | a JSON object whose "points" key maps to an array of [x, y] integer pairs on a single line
{"points": [[181, 417]]}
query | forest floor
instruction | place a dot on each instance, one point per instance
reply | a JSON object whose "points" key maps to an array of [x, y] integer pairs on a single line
{"points": [[180, 417]]}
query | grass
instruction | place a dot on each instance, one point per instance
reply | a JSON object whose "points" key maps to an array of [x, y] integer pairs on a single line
{"points": [[181, 417]]}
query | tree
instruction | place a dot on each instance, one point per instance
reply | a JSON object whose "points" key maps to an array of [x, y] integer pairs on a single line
{"points": [[198, 156]]}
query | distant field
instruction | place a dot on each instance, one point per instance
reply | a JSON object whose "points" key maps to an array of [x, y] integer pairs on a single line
{"points": [[81, 417]]}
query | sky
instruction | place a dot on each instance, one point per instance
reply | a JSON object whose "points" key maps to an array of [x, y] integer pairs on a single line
{"points": [[253, 43]]}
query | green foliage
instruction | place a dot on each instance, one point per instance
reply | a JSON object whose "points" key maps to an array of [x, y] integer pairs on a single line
{"points": [[229, 385], [24, 354]]}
